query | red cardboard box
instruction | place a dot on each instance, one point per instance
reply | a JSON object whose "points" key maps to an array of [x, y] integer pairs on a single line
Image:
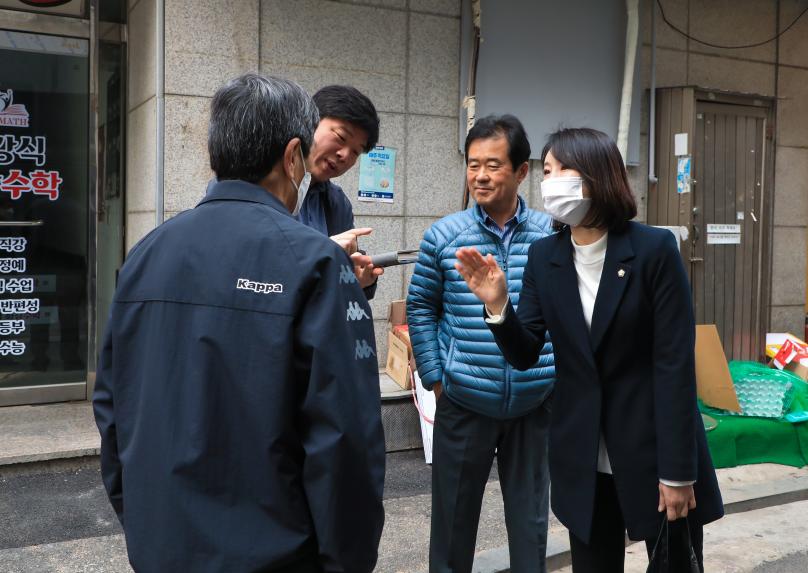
{"points": [[788, 353], [399, 350]]}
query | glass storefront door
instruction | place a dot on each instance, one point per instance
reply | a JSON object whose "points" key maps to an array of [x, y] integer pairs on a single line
{"points": [[44, 186]]}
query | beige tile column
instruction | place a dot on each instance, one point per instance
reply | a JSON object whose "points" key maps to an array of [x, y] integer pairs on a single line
{"points": [[207, 43], [141, 132]]}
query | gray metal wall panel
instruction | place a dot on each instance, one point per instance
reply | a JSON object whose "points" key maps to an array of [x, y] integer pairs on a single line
{"points": [[552, 64]]}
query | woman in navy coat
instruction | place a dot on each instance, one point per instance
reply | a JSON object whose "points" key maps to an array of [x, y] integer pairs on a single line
{"points": [[626, 441]]}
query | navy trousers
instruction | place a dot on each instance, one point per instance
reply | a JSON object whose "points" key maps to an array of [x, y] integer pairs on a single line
{"points": [[464, 446]]}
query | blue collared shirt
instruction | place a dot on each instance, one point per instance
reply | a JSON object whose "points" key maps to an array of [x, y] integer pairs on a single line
{"points": [[505, 234]]}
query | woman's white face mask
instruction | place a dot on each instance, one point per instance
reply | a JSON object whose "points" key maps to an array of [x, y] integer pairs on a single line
{"points": [[564, 199]]}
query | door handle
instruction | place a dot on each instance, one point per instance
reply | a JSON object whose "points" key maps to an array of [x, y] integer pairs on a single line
{"points": [[696, 260], [36, 223]]}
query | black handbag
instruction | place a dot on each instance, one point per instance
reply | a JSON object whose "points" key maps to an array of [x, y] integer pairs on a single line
{"points": [[673, 555]]}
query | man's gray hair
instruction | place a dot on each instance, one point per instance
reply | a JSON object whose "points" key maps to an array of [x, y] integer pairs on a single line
{"points": [[252, 119]]}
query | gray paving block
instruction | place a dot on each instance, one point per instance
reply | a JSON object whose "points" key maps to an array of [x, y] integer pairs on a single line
{"points": [[53, 431], [93, 555]]}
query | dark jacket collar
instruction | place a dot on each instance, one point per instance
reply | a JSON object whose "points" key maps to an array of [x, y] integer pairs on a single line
{"points": [[614, 278], [320, 186], [237, 190], [618, 247], [613, 281]]}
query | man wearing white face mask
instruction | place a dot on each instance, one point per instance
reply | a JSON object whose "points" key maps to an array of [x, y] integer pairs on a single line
{"points": [[486, 408], [238, 407], [349, 126]]}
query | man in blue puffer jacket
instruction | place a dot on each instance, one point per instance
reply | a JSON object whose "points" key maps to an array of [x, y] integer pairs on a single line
{"points": [[485, 408]]}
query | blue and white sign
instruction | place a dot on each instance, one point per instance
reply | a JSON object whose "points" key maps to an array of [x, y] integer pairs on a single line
{"points": [[377, 170], [683, 175]]}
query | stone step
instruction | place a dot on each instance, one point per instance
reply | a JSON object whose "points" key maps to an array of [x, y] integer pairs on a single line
{"points": [[37, 437], [47, 435]]}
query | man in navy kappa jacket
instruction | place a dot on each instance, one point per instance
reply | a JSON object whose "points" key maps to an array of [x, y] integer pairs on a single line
{"points": [[237, 393]]}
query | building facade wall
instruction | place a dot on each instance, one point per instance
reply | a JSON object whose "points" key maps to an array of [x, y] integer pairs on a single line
{"points": [[404, 54], [776, 69], [405, 57]]}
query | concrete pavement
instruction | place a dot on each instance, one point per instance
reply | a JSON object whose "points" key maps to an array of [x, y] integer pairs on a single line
{"points": [[55, 517], [763, 493], [63, 524], [769, 540]]}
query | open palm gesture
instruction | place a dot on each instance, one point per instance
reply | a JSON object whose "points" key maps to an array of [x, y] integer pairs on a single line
{"points": [[484, 278]]}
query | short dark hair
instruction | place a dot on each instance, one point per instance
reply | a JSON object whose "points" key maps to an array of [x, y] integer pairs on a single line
{"points": [[595, 156], [349, 104], [252, 119], [506, 126]]}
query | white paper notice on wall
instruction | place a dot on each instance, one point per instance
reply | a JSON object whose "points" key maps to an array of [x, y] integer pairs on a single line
{"points": [[721, 228], [723, 238], [680, 144]]}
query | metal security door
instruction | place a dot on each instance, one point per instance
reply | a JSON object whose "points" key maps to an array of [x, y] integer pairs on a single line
{"points": [[730, 224]]}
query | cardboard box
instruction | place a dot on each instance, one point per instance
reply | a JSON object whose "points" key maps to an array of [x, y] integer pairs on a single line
{"points": [[402, 331], [400, 361], [800, 368], [797, 363], [397, 313], [715, 387], [774, 340]]}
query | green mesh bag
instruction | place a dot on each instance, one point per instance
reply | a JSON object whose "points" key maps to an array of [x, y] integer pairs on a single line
{"points": [[762, 391]]}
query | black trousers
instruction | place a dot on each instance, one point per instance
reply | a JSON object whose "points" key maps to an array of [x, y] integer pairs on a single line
{"points": [[464, 445], [606, 550], [310, 564]]}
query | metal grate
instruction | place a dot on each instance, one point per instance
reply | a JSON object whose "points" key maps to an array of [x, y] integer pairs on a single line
{"points": [[402, 430]]}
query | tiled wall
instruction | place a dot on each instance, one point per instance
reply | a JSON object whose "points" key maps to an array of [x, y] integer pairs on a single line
{"points": [[791, 176], [405, 57], [404, 54], [207, 42]]}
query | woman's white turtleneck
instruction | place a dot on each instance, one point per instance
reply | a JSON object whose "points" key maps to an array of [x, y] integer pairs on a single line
{"points": [[589, 266]]}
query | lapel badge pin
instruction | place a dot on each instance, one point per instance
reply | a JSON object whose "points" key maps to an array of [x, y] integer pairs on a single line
{"points": [[621, 273]]}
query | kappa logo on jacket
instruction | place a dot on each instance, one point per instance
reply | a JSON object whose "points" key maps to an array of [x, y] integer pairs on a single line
{"points": [[356, 312], [346, 275], [259, 288], [363, 350]]}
